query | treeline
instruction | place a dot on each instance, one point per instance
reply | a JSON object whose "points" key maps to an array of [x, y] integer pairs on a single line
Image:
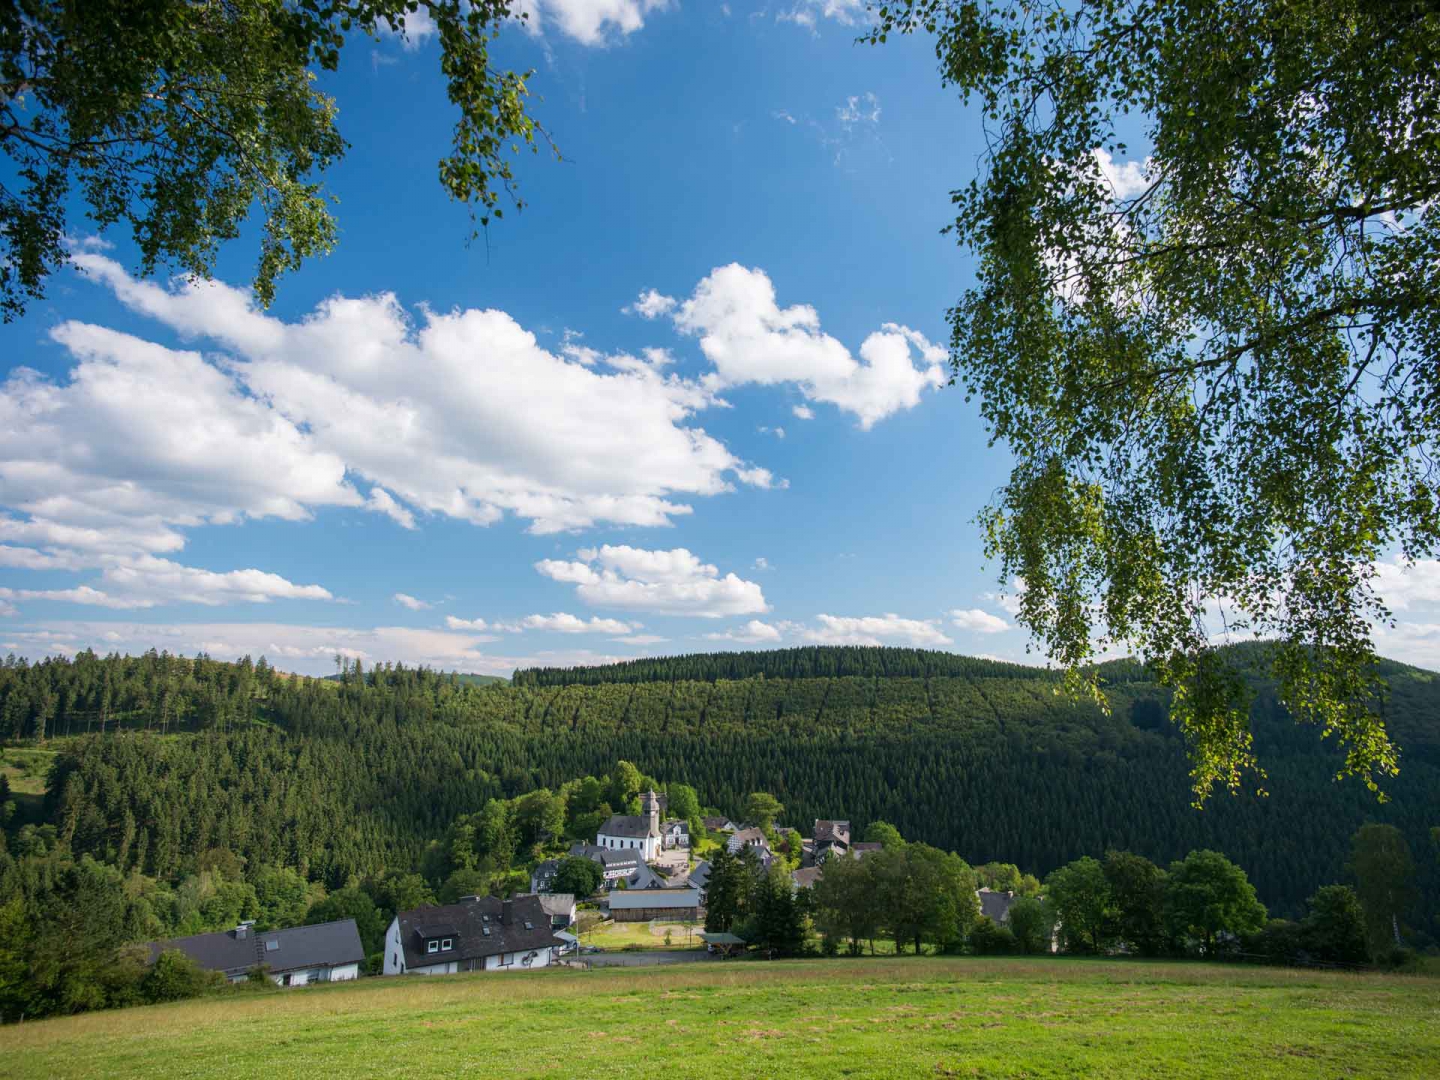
{"points": [[810, 662], [350, 778]]}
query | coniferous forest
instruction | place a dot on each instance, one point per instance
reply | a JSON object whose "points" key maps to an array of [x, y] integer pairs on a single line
{"points": [[164, 758]]}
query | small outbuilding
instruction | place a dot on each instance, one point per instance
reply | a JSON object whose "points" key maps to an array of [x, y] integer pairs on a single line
{"points": [[641, 905]]}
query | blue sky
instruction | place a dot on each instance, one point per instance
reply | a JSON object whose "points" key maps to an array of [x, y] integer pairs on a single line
{"points": [[687, 399]]}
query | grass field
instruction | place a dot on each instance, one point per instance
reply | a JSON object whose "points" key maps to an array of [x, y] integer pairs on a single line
{"points": [[613, 935], [866, 1018], [26, 769]]}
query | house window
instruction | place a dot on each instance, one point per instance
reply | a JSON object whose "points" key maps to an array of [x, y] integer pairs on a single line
{"points": [[507, 960], [432, 946], [446, 944]]}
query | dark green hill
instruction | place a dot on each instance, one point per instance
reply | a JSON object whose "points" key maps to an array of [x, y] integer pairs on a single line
{"points": [[989, 760]]}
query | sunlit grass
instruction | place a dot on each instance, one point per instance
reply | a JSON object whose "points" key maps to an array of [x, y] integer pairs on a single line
{"points": [[862, 1018]]}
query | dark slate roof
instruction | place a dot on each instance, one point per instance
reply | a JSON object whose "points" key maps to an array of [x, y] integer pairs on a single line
{"points": [[469, 919], [865, 847], [610, 858], [715, 824], [995, 904], [324, 945], [628, 826], [700, 876], [831, 832], [645, 878], [676, 825]]}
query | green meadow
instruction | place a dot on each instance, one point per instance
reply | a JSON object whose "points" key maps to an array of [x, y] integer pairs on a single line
{"points": [[842, 1018]]}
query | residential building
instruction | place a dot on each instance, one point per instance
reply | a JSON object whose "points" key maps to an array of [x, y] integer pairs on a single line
{"points": [[628, 832], [698, 878], [480, 933], [641, 905], [719, 824], [543, 876], [806, 877], [675, 833], [621, 863], [831, 838], [560, 907], [996, 904], [326, 952], [861, 848]]}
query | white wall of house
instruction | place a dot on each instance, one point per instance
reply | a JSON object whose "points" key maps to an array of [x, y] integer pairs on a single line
{"points": [[646, 847], [394, 954], [515, 961]]}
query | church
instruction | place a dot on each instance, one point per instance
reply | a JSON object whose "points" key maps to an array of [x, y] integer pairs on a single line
{"points": [[630, 833]]}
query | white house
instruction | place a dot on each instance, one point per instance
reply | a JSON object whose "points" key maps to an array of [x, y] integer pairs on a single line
{"points": [[480, 933], [327, 952], [626, 832], [675, 833], [614, 863]]}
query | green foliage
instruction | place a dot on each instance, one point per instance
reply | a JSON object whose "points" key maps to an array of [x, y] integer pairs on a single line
{"points": [[1206, 896], [1215, 375], [884, 834], [578, 875], [177, 119], [1032, 925], [1137, 889], [1381, 864], [1334, 930], [762, 808], [174, 977], [728, 890], [353, 903], [847, 906], [987, 939], [1083, 905]]}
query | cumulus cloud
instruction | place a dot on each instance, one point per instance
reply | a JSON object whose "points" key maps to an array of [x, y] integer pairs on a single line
{"points": [[753, 632], [1406, 587], [405, 600], [1121, 179], [564, 623], [803, 412], [749, 338], [590, 22], [650, 304], [463, 416], [146, 581], [1009, 601], [807, 12], [875, 630], [978, 622], [673, 582]]}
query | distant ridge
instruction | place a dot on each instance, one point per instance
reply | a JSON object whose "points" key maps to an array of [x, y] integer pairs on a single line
{"points": [[464, 677]]}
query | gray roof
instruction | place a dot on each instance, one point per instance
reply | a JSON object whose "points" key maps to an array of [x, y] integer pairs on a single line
{"points": [[627, 825], [610, 858], [467, 922], [995, 904], [751, 837], [715, 824], [558, 903], [700, 876], [654, 898], [233, 952], [865, 847], [831, 832], [806, 878]]}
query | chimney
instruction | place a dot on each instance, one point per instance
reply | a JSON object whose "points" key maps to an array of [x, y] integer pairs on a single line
{"points": [[506, 907]]}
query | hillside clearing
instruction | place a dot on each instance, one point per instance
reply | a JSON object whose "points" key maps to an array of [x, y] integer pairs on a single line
{"points": [[857, 1018]]}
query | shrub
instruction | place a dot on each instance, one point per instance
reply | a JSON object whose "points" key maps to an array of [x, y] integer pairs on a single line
{"points": [[174, 977], [987, 939]]}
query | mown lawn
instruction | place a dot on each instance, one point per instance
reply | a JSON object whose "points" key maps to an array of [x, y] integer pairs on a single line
{"points": [[866, 1018], [612, 935]]}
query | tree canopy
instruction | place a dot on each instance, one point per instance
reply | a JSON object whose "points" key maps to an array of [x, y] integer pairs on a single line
{"points": [[177, 119], [1205, 240]]}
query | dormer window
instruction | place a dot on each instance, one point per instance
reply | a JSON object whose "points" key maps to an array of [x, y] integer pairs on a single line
{"points": [[446, 944], [432, 946]]}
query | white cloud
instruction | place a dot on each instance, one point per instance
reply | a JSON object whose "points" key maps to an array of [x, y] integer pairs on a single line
{"points": [[753, 632], [804, 412], [306, 649], [862, 109], [146, 581], [671, 582], [564, 623], [641, 639], [650, 304], [1404, 588], [467, 624], [805, 13], [1121, 179], [750, 339], [762, 563], [590, 22], [978, 622], [464, 416], [876, 630], [1009, 601], [405, 600], [381, 502]]}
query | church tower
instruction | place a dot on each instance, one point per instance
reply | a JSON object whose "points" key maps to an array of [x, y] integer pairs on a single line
{"points": [[650, 808]]}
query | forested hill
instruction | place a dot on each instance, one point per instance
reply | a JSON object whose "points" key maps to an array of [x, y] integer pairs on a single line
{"points": [[345, 779], [812, 662]]}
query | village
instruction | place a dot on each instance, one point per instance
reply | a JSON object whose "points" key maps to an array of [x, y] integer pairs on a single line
{"points": [[651, 888]]}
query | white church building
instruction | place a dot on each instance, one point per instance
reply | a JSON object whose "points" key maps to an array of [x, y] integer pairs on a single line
{"points": [[626, 832]]}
